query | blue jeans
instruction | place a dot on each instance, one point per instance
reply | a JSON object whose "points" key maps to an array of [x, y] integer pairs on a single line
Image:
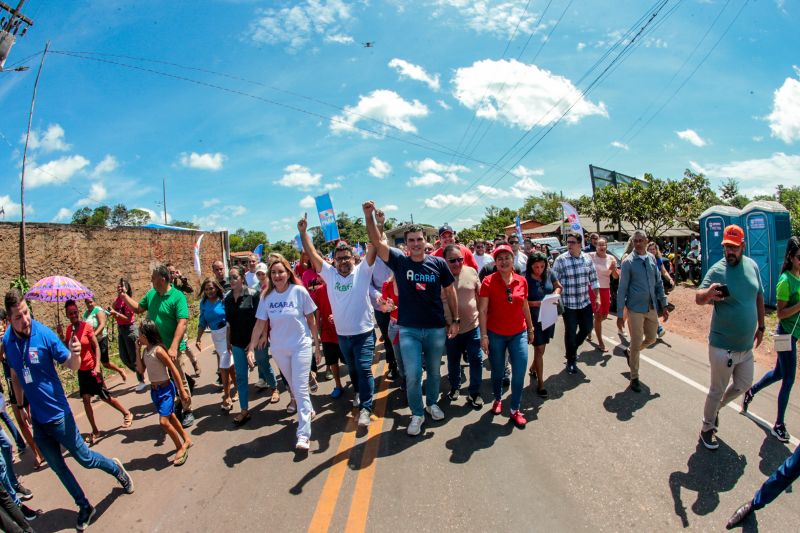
{"points": [[52, 436], [242, 373], [15, 434], [416, 343], [781, 478], [357, 351], [470, 342], [784, 371], [7, 476], [517, 346], [265, 370]]}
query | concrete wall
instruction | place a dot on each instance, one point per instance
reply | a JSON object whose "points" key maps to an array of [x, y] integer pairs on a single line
{"points": [[98, 257]]}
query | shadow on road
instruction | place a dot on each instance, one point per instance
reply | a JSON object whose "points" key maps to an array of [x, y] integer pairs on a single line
{"points": [[57, 519], [772, 453], [709, 473], [479, 435], [595, 357], [625, 403]]}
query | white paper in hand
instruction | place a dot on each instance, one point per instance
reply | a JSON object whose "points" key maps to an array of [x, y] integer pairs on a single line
{"points": [[548, 311]]}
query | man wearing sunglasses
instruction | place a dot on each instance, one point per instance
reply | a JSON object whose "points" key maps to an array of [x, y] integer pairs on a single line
{"points": [[575, 271], [733, 286]]}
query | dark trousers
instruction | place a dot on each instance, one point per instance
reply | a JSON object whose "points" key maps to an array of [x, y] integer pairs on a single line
{"points": [[577, 325], [383, 324], [11, 518], [778, 481]]}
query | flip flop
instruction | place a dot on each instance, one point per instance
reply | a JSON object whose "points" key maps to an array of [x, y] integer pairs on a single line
{"points": [[241, 420], [180, 461], [276, 396], [127, 421], [91, 439]]}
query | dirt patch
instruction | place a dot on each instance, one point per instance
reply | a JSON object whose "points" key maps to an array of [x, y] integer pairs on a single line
{"points": [[693, 321]]}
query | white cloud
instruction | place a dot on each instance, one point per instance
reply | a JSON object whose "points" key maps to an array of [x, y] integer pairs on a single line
{"points": [[498, 18], [620, 145], [522, 171], [207, 161], [756, 175], [300, 177], [331, 186], [11, 208], [339, 38], [653, 42], [580, 46], [63, 214], [379, 168], [211, 202], [297, 25], [55, 172], [308, 202], [537, 96], [210, 221], [692, 137], [108, 164], [389, 208], [441, 201], [236, 210], [524, 186], [97, 193], [415, 72], [444, 105], [52, 140], [784, 121], [157, 217], [382, 105], [431, 172]]}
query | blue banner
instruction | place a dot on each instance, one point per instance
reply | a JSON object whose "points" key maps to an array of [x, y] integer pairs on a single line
{"points": [[259, 251], [518, 224], [327, 218], [298, 243]]}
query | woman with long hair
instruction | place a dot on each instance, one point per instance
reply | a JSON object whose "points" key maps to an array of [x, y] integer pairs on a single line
{"points": [[240, 313], [606, 266], [788, 297], [289, 309], [541, 282], [127, 334], [96, 316], [212, 316]]}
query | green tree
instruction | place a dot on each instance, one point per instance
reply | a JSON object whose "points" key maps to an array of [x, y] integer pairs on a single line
{"points": [[286, 249], [789, 197], [729, 193], [495, 220], [99, 216], [243, 240], [137, 217], [184, 224], [545, 208]]}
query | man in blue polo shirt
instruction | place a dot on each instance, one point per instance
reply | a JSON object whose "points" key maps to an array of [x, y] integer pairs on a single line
{"points": [[420, 280], [31, 350]]}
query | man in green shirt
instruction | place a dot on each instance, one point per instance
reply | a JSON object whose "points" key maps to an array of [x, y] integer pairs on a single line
{"points": [[733, 286], [167, 307]]}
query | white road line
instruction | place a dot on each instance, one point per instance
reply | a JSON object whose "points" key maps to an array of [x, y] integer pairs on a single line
{"points": [[692, 383]]}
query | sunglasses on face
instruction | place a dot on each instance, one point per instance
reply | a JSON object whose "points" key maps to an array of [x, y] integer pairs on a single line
{"points": [[455, 260]]}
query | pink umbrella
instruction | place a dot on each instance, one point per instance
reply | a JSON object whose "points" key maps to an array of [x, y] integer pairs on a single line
{"points": [[58, 289]]}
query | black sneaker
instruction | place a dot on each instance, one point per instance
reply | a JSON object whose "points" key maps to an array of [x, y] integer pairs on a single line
{"points": [[124, 478], [392, 374], [188, 420], [571, 368], [635, 386], [29, 514], [453, 395], [85, 516], [780, 433], [23, 493], [748, 397], [475, 400], [709, 440], [506, 382]]}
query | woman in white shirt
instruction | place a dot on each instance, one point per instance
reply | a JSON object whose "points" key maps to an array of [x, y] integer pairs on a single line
{"points": [[606, 266], [289, 309]]}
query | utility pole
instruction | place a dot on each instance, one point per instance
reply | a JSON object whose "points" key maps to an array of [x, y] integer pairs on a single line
{"points": [[9, 29], [164, 191], [23, 267]]}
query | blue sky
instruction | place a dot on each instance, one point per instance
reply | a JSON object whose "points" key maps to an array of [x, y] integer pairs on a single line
{"points": [[248, 109]]}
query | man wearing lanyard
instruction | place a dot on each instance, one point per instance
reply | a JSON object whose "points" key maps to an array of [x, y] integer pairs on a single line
{"points": [[31, 351]]}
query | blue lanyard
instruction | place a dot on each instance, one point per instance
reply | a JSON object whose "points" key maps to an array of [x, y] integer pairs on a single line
{"points": [[23, 352]]}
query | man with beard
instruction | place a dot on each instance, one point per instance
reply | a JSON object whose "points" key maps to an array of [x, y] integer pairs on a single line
{"points": [[733, 286]]}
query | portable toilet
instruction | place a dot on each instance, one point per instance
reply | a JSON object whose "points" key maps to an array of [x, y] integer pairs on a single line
{"points": [[712, 223], [767, 230]]}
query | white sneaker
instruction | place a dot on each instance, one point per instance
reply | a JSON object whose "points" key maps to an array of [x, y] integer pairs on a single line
{"points": [[302, 443], [261, 384], [141, 386], [356, 401], [364, 418], [435, 412], [416, 425]]}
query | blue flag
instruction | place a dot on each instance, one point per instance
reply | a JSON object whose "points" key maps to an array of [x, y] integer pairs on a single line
{"points": [[518, 224], [259, 251], [298, 243], [327, 218]]}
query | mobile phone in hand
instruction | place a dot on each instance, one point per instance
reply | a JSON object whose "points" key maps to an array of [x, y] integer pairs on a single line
{"points": [[723, 291]]}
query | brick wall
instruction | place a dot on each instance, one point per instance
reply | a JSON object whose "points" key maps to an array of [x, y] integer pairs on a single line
{"points": [[98, 257]]}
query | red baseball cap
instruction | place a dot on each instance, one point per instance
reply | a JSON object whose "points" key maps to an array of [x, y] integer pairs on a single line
{"points": [[502, 248], [733, 235]]}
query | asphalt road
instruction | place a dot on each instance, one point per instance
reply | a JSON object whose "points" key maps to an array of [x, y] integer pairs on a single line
{"points": [[594, 456]]}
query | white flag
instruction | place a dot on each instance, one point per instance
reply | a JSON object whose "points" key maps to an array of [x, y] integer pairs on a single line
{"points": [[573, 219], [197, 267]]}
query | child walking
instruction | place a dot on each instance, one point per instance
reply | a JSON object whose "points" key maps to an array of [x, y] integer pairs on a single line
{"points": [[159, 367]]}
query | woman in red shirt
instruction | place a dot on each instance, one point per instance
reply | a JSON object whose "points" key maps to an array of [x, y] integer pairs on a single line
{"points": [[127, 331], [506, 324]]}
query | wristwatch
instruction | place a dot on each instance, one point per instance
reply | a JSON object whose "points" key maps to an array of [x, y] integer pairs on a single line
{"points": [[761, 328], [456, 321]]}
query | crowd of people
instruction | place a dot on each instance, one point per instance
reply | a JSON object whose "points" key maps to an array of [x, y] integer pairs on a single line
{"points": [[464, 303]]}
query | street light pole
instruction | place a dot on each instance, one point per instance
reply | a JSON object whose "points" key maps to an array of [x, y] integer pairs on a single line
{"points": [[164, 191], [23, 269]]}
